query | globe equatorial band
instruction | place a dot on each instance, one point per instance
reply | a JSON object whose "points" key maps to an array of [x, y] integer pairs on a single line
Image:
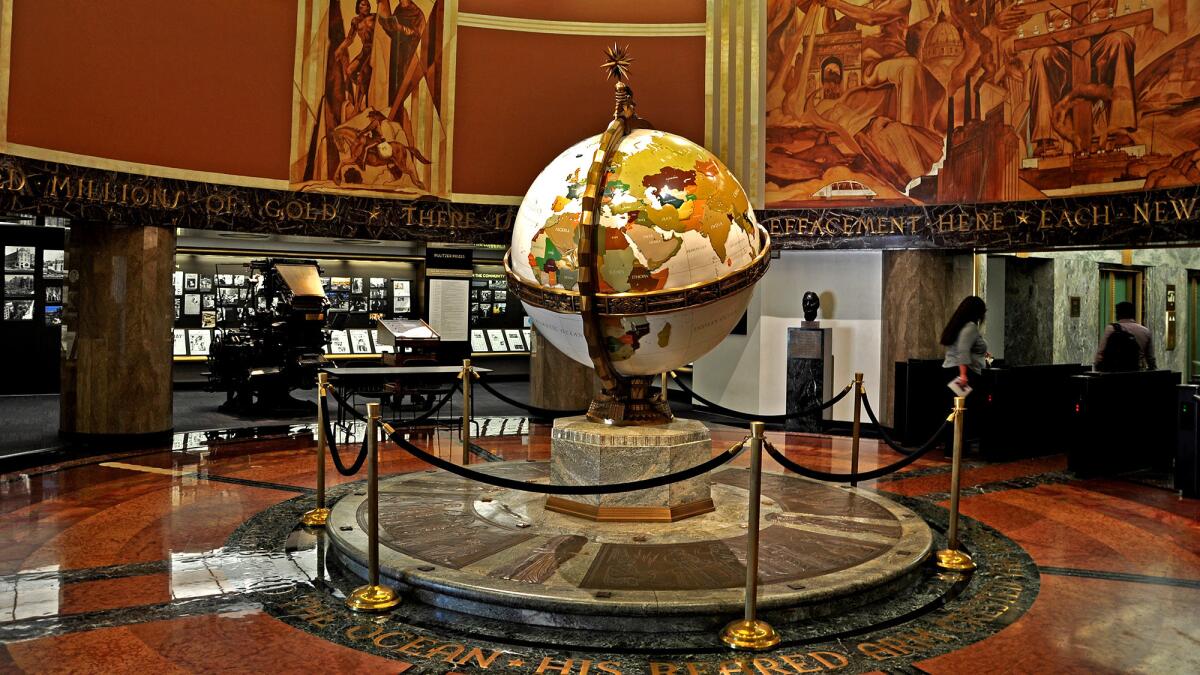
{"points": [[649, 302]]}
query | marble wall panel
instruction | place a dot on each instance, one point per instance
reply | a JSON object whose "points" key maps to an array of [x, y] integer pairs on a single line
{"points": [[1029, 312]]}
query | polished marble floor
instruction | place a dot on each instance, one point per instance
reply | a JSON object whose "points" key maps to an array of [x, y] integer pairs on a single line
{"points": [[137, 562]]}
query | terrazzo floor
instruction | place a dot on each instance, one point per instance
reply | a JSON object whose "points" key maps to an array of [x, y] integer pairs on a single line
{"points": [[186, 559]]}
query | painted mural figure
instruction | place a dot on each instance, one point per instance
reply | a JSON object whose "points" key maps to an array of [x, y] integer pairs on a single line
{"points": [[1052, 88], [356, 72], [369, 97], [885, 56]]}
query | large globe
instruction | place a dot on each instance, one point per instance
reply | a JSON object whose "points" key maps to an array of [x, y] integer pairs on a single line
{"points": [[678, 252]]}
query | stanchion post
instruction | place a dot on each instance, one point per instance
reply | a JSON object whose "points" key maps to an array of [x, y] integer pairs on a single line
{"points": [[466, 376], [319, 516], [856, 435], [751, 633], [952, 557], [373, 597]]}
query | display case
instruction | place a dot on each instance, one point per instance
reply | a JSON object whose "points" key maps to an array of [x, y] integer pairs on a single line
{"points": [[214, 291]]}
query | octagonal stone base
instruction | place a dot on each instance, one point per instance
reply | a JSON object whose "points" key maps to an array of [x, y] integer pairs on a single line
{"points": [[587, 453]]}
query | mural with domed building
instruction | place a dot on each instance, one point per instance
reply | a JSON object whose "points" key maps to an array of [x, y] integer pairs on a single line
{"points": [[928, 101]]}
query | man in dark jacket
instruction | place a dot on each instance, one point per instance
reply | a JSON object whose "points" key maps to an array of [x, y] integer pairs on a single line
{"points": [[1125, 313]]}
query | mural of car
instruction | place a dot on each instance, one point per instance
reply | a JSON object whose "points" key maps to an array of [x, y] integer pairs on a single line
{"points": [[845, 189]]}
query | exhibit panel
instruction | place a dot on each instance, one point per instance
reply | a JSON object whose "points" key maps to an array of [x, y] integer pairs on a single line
{"points": [[34, 293]]}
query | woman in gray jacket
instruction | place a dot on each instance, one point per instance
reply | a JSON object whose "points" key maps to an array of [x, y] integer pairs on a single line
{"points": [[966, 355], [966, 350]]}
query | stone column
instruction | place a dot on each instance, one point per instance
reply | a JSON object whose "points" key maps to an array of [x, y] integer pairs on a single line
{"points": [[921, 289], [556, 381], [119, 315]]}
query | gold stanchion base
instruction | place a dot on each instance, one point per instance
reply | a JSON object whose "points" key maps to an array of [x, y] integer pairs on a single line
{"points": [[315, 518], [950, 559], [751, 635], [372, 599]]}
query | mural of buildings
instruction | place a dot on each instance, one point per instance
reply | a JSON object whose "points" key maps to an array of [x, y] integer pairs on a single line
{"points": [[924, 101]]}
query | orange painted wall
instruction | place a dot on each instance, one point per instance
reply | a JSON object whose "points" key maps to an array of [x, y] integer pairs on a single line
{"points": [[195, 85], [206, 85], [522, 98], [613, 11]]}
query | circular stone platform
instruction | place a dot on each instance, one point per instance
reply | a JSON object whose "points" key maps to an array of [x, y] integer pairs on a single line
{"points": [[462, 545]]}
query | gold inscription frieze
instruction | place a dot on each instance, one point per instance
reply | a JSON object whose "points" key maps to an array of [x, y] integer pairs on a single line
{"points": [[49, 188], [1135, 218]]}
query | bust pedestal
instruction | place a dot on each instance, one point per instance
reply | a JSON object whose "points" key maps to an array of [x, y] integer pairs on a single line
{"points": [[587, 453], [809, 376]]}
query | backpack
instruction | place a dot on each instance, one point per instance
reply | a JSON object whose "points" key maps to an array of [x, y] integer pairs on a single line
{"points": [[1121, 352]]}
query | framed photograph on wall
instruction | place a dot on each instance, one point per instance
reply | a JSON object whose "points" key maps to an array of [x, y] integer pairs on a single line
{"points": [[178, 307], [177, 282], [180, 346], [339, 342], [191, 281], [496, 339], [191, 304], [514, 340], [53, 315], [340, 284], [208, 319], [18, 285], [54, 295], [19, 258], [206, 283], [53, 262], [199, 341], [224, 279], [378, 283], [356, 286], [208, 301], [401, 304], [478, 341], [18, 310], [401, 287], [360, 341]]}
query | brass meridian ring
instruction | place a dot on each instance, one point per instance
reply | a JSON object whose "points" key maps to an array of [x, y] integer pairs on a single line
{"points": [[650, 302]]}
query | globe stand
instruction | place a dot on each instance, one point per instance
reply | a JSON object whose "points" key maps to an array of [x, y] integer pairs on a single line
{"points": [[631, 404], [585, 453]]}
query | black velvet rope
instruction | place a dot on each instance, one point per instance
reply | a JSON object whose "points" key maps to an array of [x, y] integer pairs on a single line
{"points": [[751, 417], [336, 454], [539, 488], [853, 476], [395, 423], [531, 409], [887, 439]]}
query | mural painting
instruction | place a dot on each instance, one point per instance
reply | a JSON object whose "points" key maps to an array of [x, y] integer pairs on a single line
{"points": [[875, 102], [369, 107]]}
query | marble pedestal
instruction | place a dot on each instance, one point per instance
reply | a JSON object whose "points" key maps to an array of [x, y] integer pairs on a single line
{"points": [[809, 376], [587, 453]]}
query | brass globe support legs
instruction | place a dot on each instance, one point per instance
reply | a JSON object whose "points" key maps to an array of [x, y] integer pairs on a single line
{"points": [[952, 557], [751, 633], [373, 597], [319, 516]]}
